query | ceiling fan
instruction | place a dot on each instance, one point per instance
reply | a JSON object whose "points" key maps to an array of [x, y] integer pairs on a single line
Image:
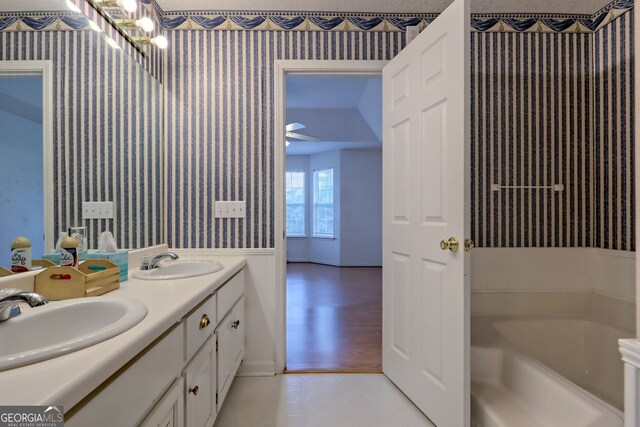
{"points": [[290, 133]]}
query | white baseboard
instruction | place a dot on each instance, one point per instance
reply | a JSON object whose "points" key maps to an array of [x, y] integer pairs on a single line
{"points": [[257, 369]]}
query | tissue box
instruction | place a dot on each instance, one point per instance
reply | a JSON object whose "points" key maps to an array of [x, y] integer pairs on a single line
{"points": [[120, 258]]}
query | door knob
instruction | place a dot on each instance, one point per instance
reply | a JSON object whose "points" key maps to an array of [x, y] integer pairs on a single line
{"points": [[468, 245], [194, 390], [452, 244]]}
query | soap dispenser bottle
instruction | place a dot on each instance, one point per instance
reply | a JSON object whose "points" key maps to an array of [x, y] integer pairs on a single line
{"points": [[20, 255], [69, 252]]}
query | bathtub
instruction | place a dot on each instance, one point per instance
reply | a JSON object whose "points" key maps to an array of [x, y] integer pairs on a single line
{"points": [[545, 372]]}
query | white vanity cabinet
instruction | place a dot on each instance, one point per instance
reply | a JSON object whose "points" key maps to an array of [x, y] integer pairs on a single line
{"points": [[183, 377]]}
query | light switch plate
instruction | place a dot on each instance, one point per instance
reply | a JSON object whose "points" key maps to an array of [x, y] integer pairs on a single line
{"points": [[230, 209], [413, 31], [97, 210]]}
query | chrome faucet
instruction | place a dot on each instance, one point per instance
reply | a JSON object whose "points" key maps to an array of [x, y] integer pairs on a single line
{"points": [[153, 263], [10, 309]]}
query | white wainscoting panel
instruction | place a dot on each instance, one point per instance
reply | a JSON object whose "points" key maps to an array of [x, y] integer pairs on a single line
{"points": [[608, 272]]}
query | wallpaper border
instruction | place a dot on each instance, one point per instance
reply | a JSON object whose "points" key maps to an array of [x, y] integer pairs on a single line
{"points": [[328, 21]]}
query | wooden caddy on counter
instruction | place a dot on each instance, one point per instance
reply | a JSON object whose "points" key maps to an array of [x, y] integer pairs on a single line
{"points": [[93, 277]]}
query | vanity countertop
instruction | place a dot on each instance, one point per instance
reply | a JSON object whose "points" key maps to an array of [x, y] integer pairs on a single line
{"points": [[67, 379]]}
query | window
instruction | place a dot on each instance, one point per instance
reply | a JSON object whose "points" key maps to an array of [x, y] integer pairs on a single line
{"points": [[323, 203], [295, 204]]}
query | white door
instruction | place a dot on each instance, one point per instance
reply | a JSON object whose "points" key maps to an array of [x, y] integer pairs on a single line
{"points": [[425, 175]]}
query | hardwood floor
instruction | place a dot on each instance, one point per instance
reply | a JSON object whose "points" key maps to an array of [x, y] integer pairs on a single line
{"points": [[334, 318]]}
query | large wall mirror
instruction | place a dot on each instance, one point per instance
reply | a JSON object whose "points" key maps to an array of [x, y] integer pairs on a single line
{"points": [[81, 121]]}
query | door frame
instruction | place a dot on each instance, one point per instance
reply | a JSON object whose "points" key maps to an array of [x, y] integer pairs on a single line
{"points": [[282, 69], [42, 68]]}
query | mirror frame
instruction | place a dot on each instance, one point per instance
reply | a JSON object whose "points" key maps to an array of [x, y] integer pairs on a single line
{"points": [[42, 68]]}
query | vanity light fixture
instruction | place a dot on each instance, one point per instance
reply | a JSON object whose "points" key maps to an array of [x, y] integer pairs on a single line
{"points": [[145, 23], [94, 26], [111, 42], [128, 5], [71, 5], [159, 41]]}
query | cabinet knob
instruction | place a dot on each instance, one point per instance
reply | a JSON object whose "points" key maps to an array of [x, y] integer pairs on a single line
{"points": [[194, 390], [204, 321], [235, 324]]}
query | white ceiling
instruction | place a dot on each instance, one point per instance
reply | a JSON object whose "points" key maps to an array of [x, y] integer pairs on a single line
{"points": [[345, 112], [386, 6], [32, 5], [380, 6]]}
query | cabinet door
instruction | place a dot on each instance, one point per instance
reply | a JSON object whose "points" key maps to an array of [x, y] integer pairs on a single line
{"points": [[230, 337], [238, 329], [199, 388], [226, 358], [169, 411]]}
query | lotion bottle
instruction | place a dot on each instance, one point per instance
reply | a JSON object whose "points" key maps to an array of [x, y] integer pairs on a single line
{"points": [[69, 252], [20, 255]]}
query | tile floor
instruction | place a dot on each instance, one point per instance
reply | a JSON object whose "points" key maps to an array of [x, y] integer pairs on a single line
{"points": [[318, 400]]}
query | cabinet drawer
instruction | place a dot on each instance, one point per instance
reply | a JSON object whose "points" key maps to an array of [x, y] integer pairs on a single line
{"points": [[229, 293], [199, 326]]}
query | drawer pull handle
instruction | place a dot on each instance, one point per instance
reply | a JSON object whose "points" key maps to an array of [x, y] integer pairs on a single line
{"points": [[235, 324], [194, 390], [204, 321]]}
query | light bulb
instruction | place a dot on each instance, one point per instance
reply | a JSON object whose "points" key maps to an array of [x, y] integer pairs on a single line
{"points": [[71, 5], [128, 5], [146, 24], [160, 41], [94, 26], [112, 43]]}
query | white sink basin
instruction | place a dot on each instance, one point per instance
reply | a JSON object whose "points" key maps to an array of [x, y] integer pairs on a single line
{"points": [[179, 270], [62, 327]]}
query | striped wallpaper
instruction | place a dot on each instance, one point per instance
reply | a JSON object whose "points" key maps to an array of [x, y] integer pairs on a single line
{"points": [[534, 115], [107, 132], [614, 225], [553, 109], [219, 89], [531, 126]]}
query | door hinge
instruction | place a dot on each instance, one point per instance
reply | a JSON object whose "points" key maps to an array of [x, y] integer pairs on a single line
{"points": [[216, 398], [216, 345]]}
